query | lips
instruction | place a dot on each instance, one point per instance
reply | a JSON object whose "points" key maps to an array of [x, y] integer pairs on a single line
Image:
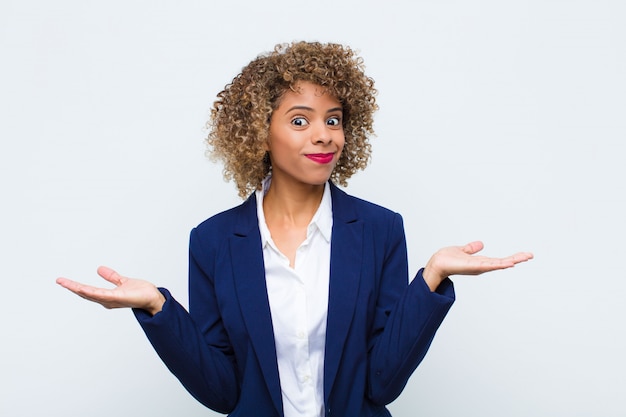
{"points": [[321, 158]]}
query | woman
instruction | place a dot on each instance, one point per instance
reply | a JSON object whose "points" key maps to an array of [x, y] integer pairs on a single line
{"points": [[299, 303]]}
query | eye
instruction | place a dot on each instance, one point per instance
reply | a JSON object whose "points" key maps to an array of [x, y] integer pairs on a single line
{"points": [[334, 121], [299, 121]]}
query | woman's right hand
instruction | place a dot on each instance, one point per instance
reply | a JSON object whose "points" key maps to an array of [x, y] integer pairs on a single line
{"points": [[128, 292]]}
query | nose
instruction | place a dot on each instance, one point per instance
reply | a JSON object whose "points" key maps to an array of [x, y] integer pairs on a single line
{"points": [[322, 134]]}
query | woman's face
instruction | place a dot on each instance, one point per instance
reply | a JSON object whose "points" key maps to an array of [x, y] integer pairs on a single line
{"points": [[306, 135]]}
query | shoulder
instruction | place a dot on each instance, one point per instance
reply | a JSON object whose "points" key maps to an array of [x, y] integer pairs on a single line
{"points": [[238, 219], [379, 229], [347, 205]]}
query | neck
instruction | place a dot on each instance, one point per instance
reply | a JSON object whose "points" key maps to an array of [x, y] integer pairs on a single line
{"points": [[295, 205]]}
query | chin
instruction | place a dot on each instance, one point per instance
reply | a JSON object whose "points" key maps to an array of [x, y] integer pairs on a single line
{"points": [[317, 181]]}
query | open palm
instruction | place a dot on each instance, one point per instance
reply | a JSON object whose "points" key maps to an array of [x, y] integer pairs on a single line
{"points": [[462, 260], [128, 292]]}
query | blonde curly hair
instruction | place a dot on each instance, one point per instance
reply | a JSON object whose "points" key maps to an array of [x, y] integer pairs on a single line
{"points": [[240, 117]]}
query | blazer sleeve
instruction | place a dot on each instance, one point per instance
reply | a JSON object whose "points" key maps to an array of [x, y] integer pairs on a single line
{"points": [[407, 318], [199, 356]]}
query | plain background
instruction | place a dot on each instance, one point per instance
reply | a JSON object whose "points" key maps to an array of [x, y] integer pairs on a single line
{"points": [[500, 120]]}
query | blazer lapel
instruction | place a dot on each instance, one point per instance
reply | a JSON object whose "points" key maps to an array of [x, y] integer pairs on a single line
{"points": [[249, 275], [345, 260]]}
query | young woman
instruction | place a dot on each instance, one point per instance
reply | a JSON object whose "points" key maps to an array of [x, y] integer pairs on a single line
{"points": [[300, 302]]}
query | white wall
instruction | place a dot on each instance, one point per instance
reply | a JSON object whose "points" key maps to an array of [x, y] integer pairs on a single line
{"points": [[500, 121]]}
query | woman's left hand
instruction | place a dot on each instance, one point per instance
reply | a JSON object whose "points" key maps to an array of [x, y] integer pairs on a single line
{"points": [[460, 260]]}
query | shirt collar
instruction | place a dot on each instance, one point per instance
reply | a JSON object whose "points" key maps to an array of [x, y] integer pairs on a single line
{"points": [[322, 219]]}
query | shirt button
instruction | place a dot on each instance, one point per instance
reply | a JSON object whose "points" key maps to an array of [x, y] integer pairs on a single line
{"points": [[301, 335]]}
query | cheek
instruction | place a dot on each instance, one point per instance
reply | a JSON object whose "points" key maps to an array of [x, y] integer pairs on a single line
{"points": [[341, 142]]}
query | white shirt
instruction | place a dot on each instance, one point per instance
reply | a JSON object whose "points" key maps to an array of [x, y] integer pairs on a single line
{"points": [[298, 300]]}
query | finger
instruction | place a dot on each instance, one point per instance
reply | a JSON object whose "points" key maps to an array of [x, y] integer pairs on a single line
{"points": [[490, 264], [473, 247], [105, 297], [69, 284], [87, 292], [521, 257], [504, 263], [110, 275], [75, 287]]}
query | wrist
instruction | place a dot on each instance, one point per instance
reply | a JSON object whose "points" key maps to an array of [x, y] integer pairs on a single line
{"points": [[432, 275], [156, 305]]}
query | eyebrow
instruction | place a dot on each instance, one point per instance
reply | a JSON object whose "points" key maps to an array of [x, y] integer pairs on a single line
{"points": [[334, 109]]}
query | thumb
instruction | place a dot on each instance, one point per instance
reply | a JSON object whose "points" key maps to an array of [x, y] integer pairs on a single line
{"points": [[473, 247], [110, 275]]}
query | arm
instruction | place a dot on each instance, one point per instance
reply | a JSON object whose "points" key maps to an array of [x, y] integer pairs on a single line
{"points": [[405, 321], [205, 368], [195, 347], [409, 318]]}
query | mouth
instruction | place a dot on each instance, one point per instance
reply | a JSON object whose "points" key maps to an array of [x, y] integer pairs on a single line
{"points": [[321, 158]]}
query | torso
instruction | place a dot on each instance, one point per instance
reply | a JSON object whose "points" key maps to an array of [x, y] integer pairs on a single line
{"points": [[287, 239]]}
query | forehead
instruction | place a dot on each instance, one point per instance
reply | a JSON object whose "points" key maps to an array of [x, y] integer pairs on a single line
{"points": [[308, 92]]}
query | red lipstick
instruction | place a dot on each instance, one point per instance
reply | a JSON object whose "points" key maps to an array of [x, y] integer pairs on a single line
{"points": [[321, 158]]}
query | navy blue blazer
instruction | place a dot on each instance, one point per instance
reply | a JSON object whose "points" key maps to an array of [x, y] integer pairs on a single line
{"points": [[378, 331]]}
